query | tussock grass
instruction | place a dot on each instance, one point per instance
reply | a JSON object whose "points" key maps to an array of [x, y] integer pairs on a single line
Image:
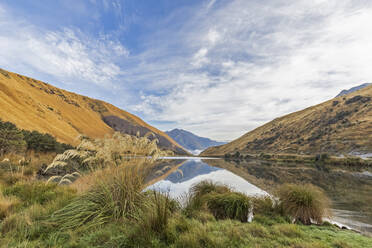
{"points": [[206, 187], [229, 205], [196, 198], [94, 154], [156, 211], [303, 203], [266, 205], [116, 193]]}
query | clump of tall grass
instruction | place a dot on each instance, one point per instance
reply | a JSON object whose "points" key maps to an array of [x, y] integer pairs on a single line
{"points": [[93, 154], [303, 203], [115, 194], [157, 210], [229, 205], [206, 187], [195, 200], [219, 200]]}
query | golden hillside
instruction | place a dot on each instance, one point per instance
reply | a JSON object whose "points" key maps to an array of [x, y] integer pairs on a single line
{"points": [[340, 125], [35, 105]]}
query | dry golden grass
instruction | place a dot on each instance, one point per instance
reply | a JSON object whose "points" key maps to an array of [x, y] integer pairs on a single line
{"points": [[92, 155], [7, 205], [304, 203], [35, 105], [132, 168], [313, 130]]}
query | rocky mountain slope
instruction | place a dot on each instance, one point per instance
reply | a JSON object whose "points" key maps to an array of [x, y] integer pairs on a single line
{"points": [[340, 125], [191, 141], [35, 105], [351, 90]]}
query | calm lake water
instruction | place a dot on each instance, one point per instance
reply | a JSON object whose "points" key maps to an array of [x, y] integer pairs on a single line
{"points": [[350, 191]]}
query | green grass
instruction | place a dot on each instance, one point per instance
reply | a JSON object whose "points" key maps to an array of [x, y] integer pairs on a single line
{"points": [[230, 205], [116, 212]]}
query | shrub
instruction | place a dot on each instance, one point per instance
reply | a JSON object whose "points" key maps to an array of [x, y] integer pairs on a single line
{"points": [[230, 205], [43, 142], [11, 139], [303, 203], [15, 140]]}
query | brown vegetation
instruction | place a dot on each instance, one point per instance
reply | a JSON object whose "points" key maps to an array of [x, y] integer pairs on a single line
{"points": [[340, 125], [35, 105]]}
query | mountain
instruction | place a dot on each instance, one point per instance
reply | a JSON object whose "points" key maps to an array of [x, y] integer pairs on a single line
{"points": [[351, 90], [191, 141], [340, 125], [35, 105]]}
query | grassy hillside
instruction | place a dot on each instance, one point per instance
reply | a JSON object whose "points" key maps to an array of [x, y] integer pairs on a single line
{"points": [[35, 105], [340, 125]]}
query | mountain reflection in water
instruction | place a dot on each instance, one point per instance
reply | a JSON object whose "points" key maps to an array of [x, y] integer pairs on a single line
{"points": [[194, 171], [350, 193]]}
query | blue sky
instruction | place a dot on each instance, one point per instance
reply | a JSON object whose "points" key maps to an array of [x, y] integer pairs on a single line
{"points": [[218, 68]]}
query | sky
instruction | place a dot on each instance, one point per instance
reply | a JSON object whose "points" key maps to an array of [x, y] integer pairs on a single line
{"points": [[218, 68]]}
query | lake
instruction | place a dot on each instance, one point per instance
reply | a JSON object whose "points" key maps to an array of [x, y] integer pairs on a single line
{"points": [[349, 190]]}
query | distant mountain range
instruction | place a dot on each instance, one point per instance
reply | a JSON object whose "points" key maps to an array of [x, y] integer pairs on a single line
{"points": [[340, 125], [191, 141], [351, 90], [34, 105]]}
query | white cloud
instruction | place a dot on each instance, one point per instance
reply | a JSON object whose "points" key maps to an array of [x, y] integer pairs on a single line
{"points": [[229, 67], [200, 57], [68, 54], [259, 60]]}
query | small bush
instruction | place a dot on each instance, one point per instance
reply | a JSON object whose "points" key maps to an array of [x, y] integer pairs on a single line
{"points": [[15, 140], [230, 205], [11, 139], [303, 203], [43, 142]]}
